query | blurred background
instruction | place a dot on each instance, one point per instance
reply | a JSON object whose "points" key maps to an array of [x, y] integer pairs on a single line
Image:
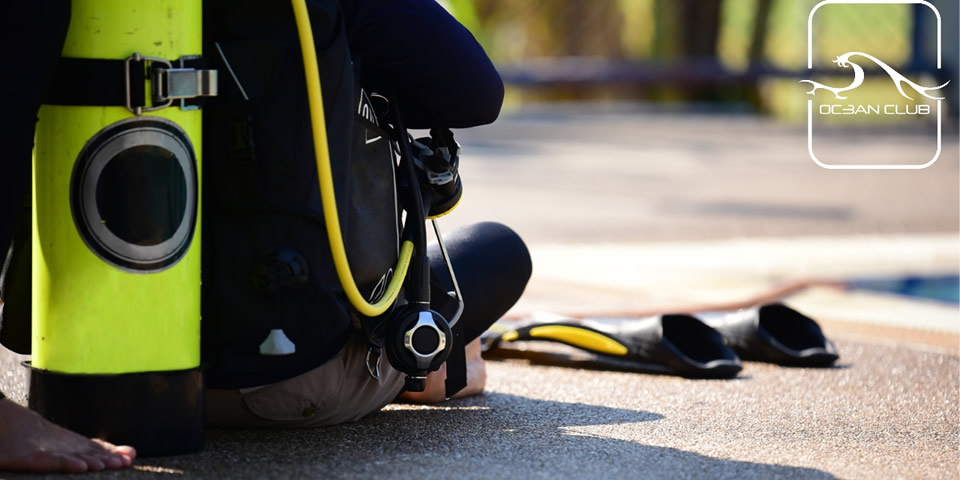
{"points": [[654, 155], [734, 55]]}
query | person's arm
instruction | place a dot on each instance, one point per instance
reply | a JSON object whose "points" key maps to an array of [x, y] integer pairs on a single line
{"points": [[414, 51]]}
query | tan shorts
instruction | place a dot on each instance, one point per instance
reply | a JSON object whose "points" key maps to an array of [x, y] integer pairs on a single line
{"points": [[341, 390]]}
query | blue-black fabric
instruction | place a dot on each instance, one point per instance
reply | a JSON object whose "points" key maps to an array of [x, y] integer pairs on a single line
{"points": [[266, 258]]}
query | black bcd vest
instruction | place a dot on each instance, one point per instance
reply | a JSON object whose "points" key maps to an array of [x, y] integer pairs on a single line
{"points": [[267, 267]]}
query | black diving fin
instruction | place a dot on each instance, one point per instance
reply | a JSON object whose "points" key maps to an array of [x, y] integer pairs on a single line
{"points": [[774, 333], [682, 343]]}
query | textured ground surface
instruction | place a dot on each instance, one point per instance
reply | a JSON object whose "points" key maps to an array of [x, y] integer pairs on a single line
{"points": [[884, 412], [640, 212]]}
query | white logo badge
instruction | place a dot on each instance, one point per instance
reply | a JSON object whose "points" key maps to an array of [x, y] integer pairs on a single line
{"points": [[908, 89]]}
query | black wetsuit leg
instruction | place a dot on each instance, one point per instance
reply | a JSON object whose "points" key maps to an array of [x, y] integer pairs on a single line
{"points": [[417, 53], [492, 265]]}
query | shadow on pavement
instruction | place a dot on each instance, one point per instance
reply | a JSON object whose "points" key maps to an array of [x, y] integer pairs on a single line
{"points": [[490, 436]]}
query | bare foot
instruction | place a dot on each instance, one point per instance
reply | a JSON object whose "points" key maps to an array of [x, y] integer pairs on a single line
{"points": [[436, 390], [29, 443]]}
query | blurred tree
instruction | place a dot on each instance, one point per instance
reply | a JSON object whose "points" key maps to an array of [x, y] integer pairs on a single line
{"points": [[688, 31], [756, 55], [699, 27], [687, 28], [588, 27], [758, 42]]}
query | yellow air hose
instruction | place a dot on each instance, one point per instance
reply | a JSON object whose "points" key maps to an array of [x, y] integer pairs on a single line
{"points": [[325, 176]]}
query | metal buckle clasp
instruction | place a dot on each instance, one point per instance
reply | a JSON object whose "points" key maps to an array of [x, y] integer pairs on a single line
{"points": [[183, 83], [136, 57], [169, 83]]}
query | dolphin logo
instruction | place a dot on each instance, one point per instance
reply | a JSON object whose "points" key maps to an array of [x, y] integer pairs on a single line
{"points": [[898, 79]]}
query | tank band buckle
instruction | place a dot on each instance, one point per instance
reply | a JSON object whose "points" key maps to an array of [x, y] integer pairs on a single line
{"points": [[183, 83], [171, 83]]}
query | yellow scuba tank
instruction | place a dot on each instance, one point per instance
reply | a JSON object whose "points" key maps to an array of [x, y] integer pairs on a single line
{"points": [[116, 239]]}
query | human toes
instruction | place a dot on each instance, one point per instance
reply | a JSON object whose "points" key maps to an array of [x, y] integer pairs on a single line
{"points": [[127, 454], [95, 462], [113, 456]]}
